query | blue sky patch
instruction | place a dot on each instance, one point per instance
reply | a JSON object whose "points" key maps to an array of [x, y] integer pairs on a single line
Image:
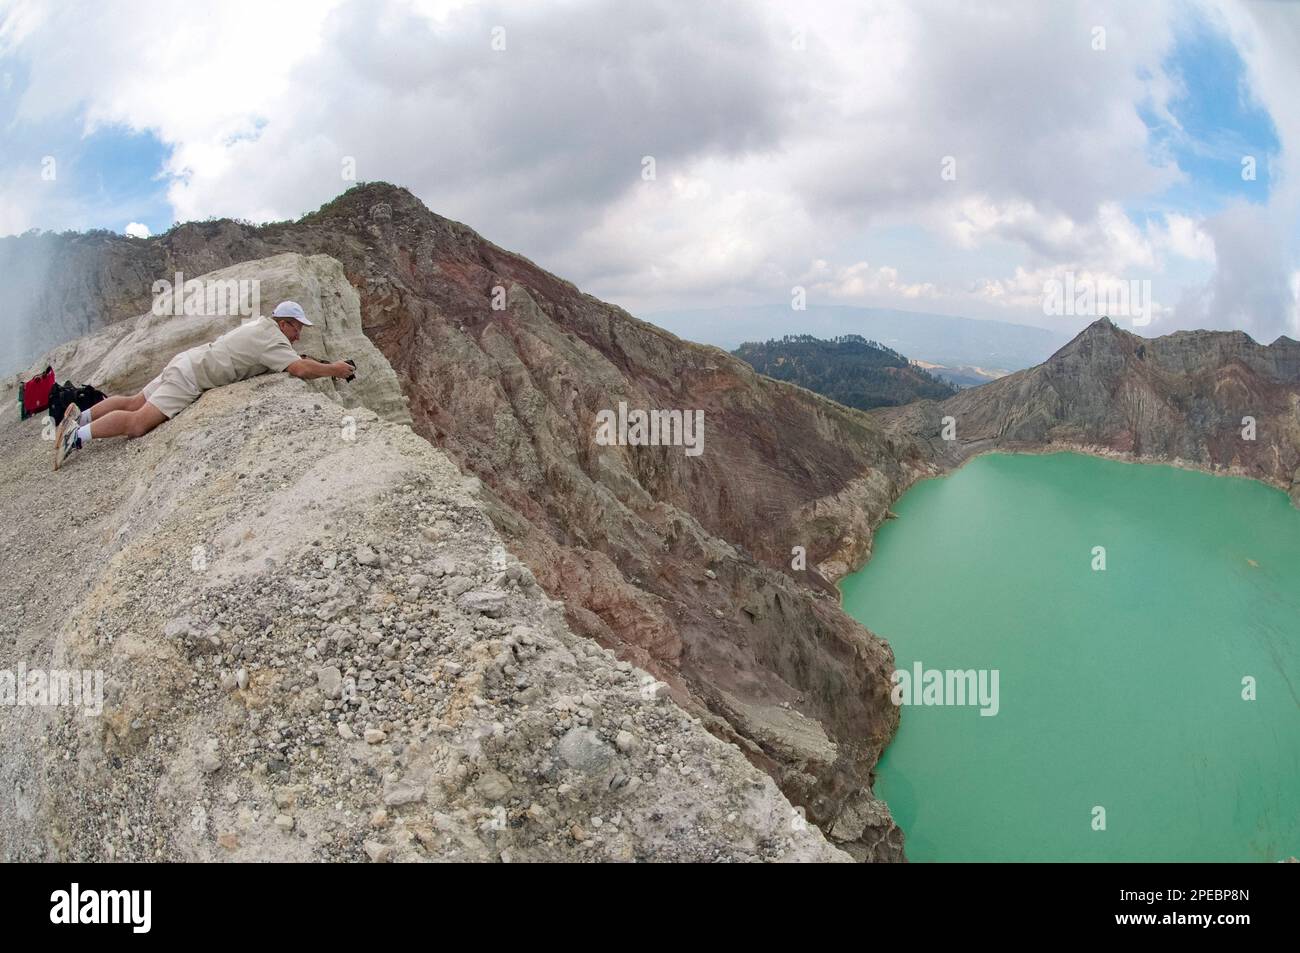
{"points": [[1216, 124], [102, 180]]}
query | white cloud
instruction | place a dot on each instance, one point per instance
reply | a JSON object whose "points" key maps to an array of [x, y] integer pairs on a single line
{"points": [[862, 279], [768, 157], [136, 230], [1185, 237]]}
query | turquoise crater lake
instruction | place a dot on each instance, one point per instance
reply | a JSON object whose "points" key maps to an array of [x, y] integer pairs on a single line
{"points": [[1119, 688]]}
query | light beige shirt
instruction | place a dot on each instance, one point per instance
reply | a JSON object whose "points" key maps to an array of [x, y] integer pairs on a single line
{"points": [[253, 348]]}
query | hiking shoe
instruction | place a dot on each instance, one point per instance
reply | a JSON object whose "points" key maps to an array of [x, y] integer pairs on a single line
{"points": [[65, 438]]}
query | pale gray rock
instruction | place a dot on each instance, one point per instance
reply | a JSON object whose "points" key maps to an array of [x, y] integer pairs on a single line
{"points": [[489, 602], [330, 681], [582, 749]]}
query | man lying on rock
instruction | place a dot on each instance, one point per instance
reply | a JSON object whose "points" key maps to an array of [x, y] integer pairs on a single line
{"points": [[253, 348]]}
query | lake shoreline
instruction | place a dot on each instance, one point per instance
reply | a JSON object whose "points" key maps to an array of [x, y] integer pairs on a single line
{"points": [[1087, 450]]}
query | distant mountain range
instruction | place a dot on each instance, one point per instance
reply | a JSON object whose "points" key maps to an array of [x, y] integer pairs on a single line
{"points": [[964, 351], [849, 369]]}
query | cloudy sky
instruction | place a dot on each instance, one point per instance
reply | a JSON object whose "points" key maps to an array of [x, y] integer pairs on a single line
{"points": [[936, 156]]}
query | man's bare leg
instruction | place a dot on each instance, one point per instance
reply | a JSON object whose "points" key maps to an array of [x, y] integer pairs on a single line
{"points": [[110, 404], [116, 423], [126, 423]]}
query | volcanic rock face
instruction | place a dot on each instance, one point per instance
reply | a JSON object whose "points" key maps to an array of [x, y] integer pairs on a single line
{"points": [[715, 572], [1211, 399], [314, 646]]}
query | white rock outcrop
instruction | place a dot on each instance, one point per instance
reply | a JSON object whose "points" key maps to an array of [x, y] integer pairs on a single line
{"points": [[125, 356]]}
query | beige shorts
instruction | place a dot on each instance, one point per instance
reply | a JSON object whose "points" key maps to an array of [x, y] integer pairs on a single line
{"points": [[171, 391]]}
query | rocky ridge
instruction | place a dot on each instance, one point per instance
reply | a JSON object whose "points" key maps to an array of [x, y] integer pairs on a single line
{"points": [[685, 566], [315, 646]]}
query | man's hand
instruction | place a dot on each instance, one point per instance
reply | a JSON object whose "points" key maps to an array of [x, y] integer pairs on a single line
{"points": [[308, 368]]}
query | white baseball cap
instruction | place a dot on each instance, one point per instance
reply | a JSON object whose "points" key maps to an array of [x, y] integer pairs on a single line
{"points": [[292, 310]]}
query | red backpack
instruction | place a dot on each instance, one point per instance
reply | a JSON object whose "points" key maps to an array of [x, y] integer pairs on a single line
{"points": [[34, 395]]}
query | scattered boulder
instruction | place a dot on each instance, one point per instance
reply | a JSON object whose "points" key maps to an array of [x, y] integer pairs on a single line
{"points": [[582, 750], [489, 602], [400, 792], [493, 786], [330, 681]]}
